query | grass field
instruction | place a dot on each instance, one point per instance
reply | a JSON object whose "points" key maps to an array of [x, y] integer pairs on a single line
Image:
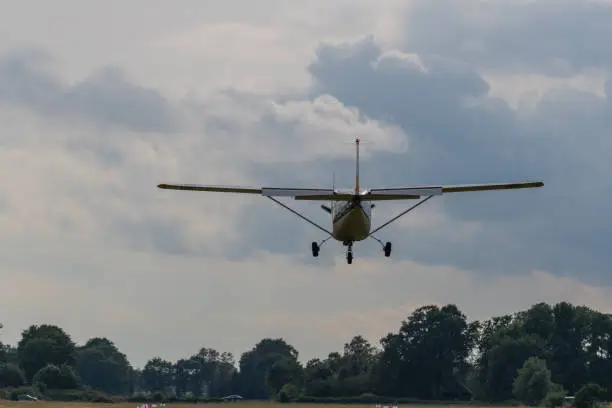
{"points": [[28, 404], [41, 404]]}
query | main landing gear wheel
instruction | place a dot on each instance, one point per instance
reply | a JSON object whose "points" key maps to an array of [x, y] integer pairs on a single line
{"points": [[387, 249], [349, 253], [315, 249]]}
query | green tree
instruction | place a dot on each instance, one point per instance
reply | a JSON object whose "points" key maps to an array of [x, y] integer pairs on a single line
{"points": [[318, 378], [10, 355], [423, 359], [289, 392], [214, 369], [568, 361], [284, 371], [53, 377], [256, 363], [532, 383], [11, 375], [501, 363], [43, 345], [158, 374], [102, 366], [2, 349], [588, 395], [556, 396], [188, 376]]}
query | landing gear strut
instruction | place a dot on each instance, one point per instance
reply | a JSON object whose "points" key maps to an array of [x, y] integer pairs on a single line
{"points": [[316, 246], [386, 246]]}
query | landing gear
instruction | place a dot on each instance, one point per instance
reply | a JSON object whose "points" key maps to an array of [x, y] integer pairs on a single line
{"points": [[349, 253], [387, 249], [315, 249], [316, 246]]}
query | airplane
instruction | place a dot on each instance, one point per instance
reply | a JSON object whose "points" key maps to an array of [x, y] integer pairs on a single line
{"points": [[351, 209]]}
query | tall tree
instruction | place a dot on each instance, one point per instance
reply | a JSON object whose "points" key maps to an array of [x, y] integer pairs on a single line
{"points": [[158, 374], [102, 366], [256, 363], [532, 383], [43, 345], [422, 360]]}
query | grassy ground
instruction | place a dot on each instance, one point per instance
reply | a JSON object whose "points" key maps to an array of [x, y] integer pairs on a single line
{"points": [[40, 404], [29, 404], [45, 404]]}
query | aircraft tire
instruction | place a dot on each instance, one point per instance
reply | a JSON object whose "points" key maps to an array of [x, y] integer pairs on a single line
{"points": [[315, 249], [387, 249]]}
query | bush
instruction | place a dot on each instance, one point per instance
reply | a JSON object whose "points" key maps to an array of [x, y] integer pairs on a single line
{"points": [[532, 383], [588, 395], [53, 377], [11, 375], [555, 398], [85, 395], [288, 393], [12, 394]]}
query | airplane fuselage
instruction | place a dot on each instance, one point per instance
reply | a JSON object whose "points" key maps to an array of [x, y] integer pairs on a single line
{"points": [[351, 220]]}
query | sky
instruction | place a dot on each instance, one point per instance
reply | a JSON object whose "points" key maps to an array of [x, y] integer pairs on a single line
{"points": [[102, 101]]}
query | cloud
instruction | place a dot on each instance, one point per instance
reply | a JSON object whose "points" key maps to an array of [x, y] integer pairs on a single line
{"points": [[236, 303], [107, 96], [102, 145], [459, 134], [89, 243], [559, 38]]}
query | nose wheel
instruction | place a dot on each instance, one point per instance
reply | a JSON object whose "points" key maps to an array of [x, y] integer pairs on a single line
{"points": [[349, 253]]}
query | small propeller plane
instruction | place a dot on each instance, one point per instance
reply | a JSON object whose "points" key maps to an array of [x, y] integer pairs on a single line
{"points": [[351, 209]]}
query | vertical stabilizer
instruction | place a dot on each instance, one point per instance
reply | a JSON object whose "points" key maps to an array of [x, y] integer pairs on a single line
{"points": [[334, 181], [357, 166]]}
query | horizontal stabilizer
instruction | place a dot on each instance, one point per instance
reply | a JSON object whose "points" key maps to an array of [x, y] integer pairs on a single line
{"points": [[325, 197], [404, 191], [389, 197], [295, 192]]}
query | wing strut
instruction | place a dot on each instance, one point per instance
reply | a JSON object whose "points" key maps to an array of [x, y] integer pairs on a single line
{"points": [[300, 215], [397, 216]]}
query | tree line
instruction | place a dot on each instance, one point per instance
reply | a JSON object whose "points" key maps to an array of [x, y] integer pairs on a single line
{"points": [[534, 356]]}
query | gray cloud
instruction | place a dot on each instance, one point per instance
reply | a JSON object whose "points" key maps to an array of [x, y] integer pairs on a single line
{"points": [[453, 140], [107, 96], [457, 134], [560, 37], [80, 160]]}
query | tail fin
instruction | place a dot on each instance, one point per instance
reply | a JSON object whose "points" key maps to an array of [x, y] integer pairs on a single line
{"points": [[357, 166]]}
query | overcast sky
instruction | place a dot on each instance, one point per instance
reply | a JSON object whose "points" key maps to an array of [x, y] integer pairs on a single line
{"points": [[101, 101]]}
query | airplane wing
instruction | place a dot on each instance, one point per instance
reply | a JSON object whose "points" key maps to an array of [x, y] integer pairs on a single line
{"points": [[218, 189], [399, 193], [328, 194], [297, 193]]}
